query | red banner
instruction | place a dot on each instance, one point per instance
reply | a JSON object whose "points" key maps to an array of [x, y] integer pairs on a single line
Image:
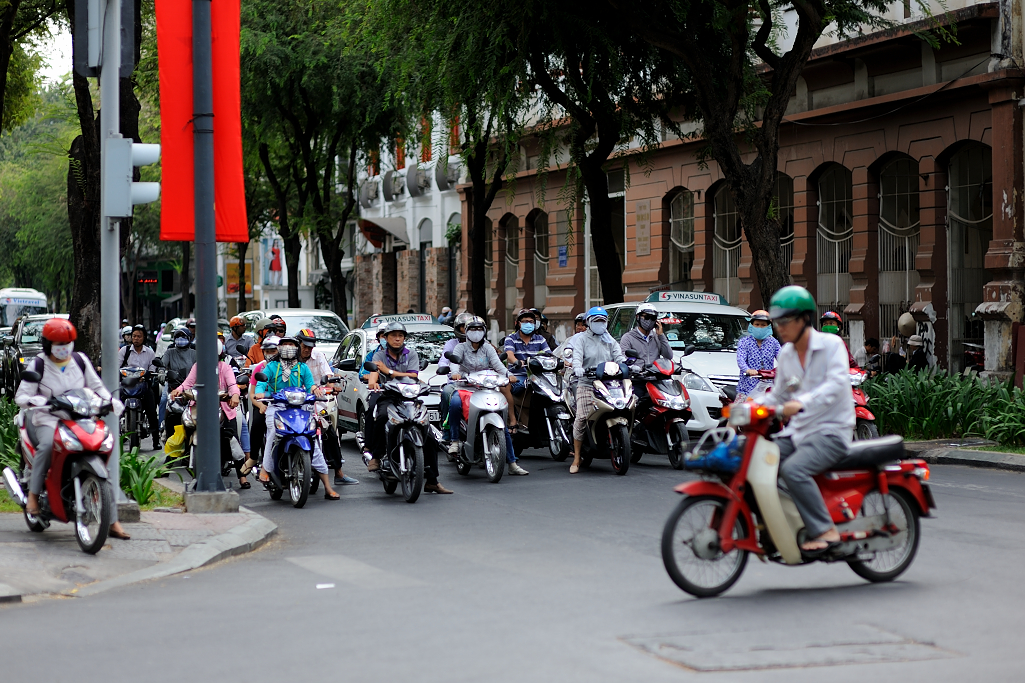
{"points": [[174, 47]]}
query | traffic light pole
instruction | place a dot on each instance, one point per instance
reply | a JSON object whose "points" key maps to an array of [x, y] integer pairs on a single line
{"points": [[208, 457], [110, 247]]}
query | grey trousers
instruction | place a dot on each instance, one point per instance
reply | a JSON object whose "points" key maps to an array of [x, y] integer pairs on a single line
{"points": [[41, 463], [816, 454]]}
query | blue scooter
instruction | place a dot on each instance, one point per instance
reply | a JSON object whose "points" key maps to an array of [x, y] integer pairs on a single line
{"points": [[297, 428]]}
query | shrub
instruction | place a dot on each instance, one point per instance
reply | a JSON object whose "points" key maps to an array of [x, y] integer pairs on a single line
{"points": [[8, 435], [138, 473]]}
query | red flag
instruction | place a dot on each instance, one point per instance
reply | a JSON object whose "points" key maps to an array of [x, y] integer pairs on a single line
{"points": [[174, 47]]}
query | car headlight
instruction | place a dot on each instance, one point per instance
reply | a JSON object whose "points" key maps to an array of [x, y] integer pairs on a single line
{"points": [[69, 440], [695, 382]]}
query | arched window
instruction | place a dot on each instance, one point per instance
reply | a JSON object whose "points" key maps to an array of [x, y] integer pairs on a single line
{"points": [[511, 227], [541, 257], [970, 229], [899, 232], [783, 203], [426, 237], [835, 239], [725, 245], [681, 239]]}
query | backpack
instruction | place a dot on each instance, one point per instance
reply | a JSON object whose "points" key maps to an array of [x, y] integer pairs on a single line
{"points": [[40, 366]]}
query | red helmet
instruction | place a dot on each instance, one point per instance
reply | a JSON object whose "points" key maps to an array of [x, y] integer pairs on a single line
{"points": [[59, 331], [832, 315]]}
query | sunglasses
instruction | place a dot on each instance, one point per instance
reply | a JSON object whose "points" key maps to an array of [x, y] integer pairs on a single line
{"points": [[785, 320], [648, 317]]}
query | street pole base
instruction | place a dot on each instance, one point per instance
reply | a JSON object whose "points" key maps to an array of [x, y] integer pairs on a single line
{"points": [[128, 512], [211, 502]]}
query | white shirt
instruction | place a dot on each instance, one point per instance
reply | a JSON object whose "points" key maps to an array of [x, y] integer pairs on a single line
{"points": [[318, 365], [139, 359], [56, 381], [823, 386]]}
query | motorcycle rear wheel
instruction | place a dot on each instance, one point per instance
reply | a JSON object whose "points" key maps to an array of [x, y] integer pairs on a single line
{"points": [[886, 565], [494, 453], [865, 430], [98, 500], [619, 446], [413, 480], [298, 476], [681, 444], [701, 577]]}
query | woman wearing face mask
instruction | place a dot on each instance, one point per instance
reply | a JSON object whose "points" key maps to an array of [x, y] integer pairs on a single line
{"points": [[178, 361], [756, 351]]}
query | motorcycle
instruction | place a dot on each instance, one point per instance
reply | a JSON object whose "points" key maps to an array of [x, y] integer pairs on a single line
{"points": [[662, 415], [230, 449], [77, 488], [135, 382], [542, 413], [611, 420], [865, 422], [483, 431], [297, 430], [874, 496], [407, 432]]}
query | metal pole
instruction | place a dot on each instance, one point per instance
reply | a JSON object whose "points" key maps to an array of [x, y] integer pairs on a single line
{"points": [[208, 457], [110, 247]]}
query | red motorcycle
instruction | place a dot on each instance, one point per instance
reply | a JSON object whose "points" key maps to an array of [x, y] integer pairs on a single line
{"points": [[663, 412], [874, 497], [865, 422], [77, 489]]}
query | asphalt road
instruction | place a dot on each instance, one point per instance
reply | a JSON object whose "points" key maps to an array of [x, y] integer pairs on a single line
{"points": [[542, 578]]}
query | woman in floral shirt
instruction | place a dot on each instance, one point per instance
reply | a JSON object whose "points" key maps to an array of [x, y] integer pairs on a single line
{"points": [[756, 351]]}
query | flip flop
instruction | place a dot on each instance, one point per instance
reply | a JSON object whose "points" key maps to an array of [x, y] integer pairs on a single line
{"points": [[819, 552], [328, 496], [119, 534]]}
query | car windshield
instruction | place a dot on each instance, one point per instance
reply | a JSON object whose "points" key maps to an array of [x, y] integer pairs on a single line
{"points": [[32, 332], [11, 312], [325, 327], [706, 331], [428, 345]]}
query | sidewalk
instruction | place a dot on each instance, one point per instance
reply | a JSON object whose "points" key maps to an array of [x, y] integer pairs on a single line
{"points": [[162, 543], [955, 452]]}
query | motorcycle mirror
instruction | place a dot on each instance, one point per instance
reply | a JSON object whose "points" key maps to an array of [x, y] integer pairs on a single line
{"points": [[370, 367], [689, 349], [30, 376], [157, 363], [348, 364], [631, 354], [242, 381], [260, 377], [454, 357], [443, 370]]}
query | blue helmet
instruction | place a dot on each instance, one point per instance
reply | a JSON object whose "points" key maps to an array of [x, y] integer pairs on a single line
{"points": [[597, 312]]}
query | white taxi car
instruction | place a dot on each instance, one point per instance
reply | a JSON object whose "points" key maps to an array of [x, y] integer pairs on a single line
{"points": [[424, 334]]}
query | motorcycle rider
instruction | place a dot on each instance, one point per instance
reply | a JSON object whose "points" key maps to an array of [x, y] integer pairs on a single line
{"points": [[369, 357], [236, 345], [126, 337], [178, 361], [61, 370], [138, 355], [814, 390], [589, 349], [830, 323], [580, 323], [394, 360], [518, 347], [542, 328], [646, 338], [318, 364], [459, 326], [284, 372], [757, 350], [265, 327], [478, 355], [258, 430]]}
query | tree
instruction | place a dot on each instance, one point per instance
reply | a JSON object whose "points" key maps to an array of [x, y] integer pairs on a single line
{"points": [[19, 20]]}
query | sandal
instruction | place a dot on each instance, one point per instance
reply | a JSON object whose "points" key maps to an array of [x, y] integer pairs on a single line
{"points": [[328, 496], [263, 476], [247, 467], [243, 484], [574, 469]]}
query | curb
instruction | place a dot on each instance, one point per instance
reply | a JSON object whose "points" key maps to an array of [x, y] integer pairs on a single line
{"points": [[244, 538], [1008, 462]]}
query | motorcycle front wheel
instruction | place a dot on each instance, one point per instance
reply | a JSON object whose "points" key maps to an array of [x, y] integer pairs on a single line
{"points": [[886, 565], [412, 479], [561, 445], [92, 525], [132, 429], [619, 445], [681, 444], [865, 430], [298, 476], [690, 547], [494, 453]]}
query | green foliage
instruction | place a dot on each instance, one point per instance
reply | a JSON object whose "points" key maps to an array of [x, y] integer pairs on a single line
{"points": [[8, 436], [20, 97], [138, 473]]}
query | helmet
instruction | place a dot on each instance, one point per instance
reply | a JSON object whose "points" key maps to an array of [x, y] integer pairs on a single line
{"points": [[596, 312], [220, 334], [581, 317], [646, 309], [395, 327], [270, 342], [462, 320], [126, 330], [381, 328], [59, 331], [191, 322], [526, 312], [476, 322], [236, 321], [262, 323], [832, 315], [288, 340], [791, 300], [761, 315], [306, 337], [180, 332]]}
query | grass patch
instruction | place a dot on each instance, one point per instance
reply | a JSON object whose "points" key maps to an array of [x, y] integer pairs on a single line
{"points": [[164, 498], [7, 504]]}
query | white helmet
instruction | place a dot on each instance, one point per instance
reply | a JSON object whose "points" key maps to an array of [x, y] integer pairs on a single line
{"points": [[646, 308], [126, 330]]}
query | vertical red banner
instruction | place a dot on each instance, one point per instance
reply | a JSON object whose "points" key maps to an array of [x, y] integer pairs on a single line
{"points": [[174, 48]]}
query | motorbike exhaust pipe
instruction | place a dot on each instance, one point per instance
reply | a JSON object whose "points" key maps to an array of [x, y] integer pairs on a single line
{"points": [[14, 488]]}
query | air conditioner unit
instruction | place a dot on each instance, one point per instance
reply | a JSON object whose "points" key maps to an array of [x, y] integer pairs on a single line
{"points": [[368, 193], [446, 175]]}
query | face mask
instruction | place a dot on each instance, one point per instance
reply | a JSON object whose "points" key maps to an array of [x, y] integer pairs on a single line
{"points": [[527, 328], [288, 353], [759, 332], [270, 354], [475, 335], [181, 342], [62, 352], [647, 325], [599, 327], [830, 329], [220, 347]]}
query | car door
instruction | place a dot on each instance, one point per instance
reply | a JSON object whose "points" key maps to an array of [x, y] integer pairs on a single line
{"points": [[346, 396]]}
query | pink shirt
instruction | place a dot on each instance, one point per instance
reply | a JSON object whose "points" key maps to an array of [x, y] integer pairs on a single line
{"points": [[225, 380]]}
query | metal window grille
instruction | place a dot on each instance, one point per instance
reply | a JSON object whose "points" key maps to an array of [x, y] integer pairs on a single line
{"points": [[541, 258], [488, 259], [899, 235], [784, 198], [512, 269], [726, 245], [835, 239], [681, 239]]}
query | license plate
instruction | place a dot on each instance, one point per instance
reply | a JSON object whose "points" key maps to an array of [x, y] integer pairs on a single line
{"points": [[433, 415]]}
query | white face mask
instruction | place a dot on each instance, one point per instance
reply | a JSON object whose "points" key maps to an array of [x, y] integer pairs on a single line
{"points": [[288, 352], [220, 347], [599, 327], [62, 352], [475, 335]]}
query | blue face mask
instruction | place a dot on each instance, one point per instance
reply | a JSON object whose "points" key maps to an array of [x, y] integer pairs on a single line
{"points": [[527, 328], [759, 332], [181, 342]]}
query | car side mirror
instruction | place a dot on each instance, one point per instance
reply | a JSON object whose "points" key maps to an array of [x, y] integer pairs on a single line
{"points": [[260, 377], [689, 349], [157, 363], [370, 367], [443, 370], [349, 364], [30, 376]]}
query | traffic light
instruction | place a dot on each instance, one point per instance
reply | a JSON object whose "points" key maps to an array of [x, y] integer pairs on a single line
{"points": [[120, 193]]}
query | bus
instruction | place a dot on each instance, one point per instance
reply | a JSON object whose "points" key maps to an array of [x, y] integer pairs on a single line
{"points": [[18, 301]]}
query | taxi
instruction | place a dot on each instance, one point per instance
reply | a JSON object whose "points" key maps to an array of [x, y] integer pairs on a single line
{"points": [[424, 334]]}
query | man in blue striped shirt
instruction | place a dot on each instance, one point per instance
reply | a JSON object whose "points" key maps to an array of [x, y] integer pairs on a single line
{"points": [[521, 345]]}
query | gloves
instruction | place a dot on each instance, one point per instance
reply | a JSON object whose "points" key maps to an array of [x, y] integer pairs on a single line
{"points": [[578, 371], [117, 406], [37, 401]]}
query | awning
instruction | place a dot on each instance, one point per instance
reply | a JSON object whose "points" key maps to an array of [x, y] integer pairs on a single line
{"points": [[374, 229], [171, 300]]}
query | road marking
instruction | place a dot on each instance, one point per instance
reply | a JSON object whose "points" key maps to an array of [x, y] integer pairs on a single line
{"points": [[354, 572]]}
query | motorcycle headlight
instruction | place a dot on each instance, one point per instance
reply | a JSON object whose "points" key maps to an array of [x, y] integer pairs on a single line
{"points": [[422, 416], [394, 416], [619, 403], [108, 443], [279, 424], [187, 419], [70, 441], [695, 382], [410, 390], [295, 398], [548, 362], [312, 424], [857, 379]]}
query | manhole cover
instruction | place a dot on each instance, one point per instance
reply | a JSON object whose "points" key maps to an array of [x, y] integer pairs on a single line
{"points": [[779, 648]]}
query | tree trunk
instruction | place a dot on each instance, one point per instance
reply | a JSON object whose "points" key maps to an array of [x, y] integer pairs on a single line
{"points": [[752, 197], [476, 257], [186, 285], [293, 246], [610, 268], [84, 218], [243, 248]]}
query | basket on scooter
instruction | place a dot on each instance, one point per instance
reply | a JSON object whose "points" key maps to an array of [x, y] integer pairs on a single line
{"points": [[718, 450]]}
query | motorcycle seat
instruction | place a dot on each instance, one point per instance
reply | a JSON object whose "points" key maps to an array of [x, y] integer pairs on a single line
{"points": [[872, 453]]}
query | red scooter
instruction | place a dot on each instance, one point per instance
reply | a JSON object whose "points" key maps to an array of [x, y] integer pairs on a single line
{"points": [[865, 422], [77, 489], [874, 497]]}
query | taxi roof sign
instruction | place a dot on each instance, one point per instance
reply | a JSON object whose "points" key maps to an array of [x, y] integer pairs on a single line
{"points": [[404, 318], [688, 297]]}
